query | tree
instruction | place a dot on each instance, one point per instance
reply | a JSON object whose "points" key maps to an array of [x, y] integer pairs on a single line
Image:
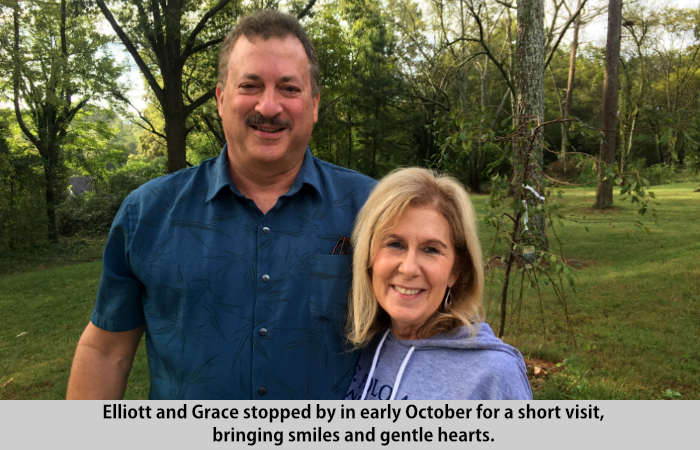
{"points": [[162, 39], [60, 65], [634, 80], [604, 194], [377, 90]]}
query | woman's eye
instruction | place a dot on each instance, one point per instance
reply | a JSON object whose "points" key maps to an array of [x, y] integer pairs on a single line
{"points": [[432, 250], [395, 244]]}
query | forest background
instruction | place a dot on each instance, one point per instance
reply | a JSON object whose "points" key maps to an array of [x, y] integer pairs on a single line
{"points": [[436, 83]]}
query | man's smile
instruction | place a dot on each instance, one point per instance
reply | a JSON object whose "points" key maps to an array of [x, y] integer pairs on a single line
{"points": [[267, 129]]}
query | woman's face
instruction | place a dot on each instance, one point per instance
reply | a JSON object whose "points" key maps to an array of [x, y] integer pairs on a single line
{"points": [[412, 269]]}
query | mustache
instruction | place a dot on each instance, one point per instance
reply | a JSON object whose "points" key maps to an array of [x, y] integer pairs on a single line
{"points": [[258, 119]]}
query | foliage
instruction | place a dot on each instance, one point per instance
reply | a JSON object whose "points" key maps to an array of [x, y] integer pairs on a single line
{"points": [[22, 208], [89, 150], [93, 213], [666, 174], [469, 148], [59, 64], [89, 214]]}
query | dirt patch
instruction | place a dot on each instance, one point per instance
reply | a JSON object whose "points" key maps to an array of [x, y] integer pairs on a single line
{"points": [[579, 263], [497, 263], [603, 212], [538, 370]]}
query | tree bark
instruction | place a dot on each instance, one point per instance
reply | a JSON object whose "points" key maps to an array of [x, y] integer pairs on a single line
{"points": [[604, 193], [626, 149], [529, 81], [570, 88]]}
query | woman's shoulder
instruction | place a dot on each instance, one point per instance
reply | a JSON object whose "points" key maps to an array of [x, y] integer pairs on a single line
{"points": [[483, 364]]}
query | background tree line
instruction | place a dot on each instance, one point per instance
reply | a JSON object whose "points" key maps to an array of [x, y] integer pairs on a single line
{"points": [[445, 84]]}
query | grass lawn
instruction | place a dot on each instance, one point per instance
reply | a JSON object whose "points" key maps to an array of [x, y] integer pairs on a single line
{"points": [[635, 315]]}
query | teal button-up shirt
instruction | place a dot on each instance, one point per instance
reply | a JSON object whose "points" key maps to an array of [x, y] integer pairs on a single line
{"points": [[237, 304]]}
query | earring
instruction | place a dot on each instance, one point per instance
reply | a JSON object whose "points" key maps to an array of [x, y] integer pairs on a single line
{"points": [[448, 301]]}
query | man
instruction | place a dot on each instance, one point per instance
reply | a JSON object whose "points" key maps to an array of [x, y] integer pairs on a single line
{"points": [[229, 267]]}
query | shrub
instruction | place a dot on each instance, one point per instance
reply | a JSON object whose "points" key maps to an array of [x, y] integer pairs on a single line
{"points": [[668, 174], [569, 172], [89, 214], [92, 214]]}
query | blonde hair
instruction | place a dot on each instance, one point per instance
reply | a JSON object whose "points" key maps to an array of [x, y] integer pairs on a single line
{"points": [[401, 189]]}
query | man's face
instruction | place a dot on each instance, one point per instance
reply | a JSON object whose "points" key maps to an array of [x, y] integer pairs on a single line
{"points": [[267, 108]]}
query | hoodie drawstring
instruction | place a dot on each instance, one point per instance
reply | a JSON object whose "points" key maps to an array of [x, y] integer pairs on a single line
{"points": [[398, 377], [374, 365]]}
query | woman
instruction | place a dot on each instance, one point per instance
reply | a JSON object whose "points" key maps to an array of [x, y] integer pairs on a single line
{"points": [[415, 307]]}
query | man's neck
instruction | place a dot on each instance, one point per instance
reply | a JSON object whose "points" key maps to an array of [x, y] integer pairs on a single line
{"points": [[263, 185]]}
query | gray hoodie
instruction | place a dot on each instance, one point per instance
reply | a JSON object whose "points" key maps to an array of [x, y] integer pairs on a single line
{"points": [[443, 367]]}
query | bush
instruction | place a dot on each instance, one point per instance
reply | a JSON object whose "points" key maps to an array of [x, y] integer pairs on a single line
{"points": [[90, 215], [23, 224], [668, 174], [569, 172]]}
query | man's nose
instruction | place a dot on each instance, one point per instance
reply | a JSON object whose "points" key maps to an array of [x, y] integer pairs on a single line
{"points": [[409, 265], [269, 103]]}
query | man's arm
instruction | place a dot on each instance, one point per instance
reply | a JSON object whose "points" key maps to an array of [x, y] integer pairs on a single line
{"points": [[102, 363]]}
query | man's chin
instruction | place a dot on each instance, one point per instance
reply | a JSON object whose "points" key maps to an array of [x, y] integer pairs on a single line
{"points": [[274, 153]]}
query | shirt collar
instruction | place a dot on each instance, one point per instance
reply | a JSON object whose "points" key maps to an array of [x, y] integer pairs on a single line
{"points": [[220, 178]]}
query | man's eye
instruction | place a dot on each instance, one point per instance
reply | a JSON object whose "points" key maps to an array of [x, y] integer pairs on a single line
{"points": [[291, 89], [247, 86]]}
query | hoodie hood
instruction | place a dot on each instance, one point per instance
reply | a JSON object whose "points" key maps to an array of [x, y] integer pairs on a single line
{"points": [[458, 365], [484, 339]]}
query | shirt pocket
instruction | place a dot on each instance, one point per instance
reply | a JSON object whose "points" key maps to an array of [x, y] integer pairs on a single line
{"points": [[329, 283]]}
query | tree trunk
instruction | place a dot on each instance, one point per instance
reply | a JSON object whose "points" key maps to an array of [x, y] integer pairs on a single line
{"points": [[626, 150], [511, 66], [175, 115], [604, 193], [50, 180], [529, 81], [349, 141], [570, 88], [375, 132]]}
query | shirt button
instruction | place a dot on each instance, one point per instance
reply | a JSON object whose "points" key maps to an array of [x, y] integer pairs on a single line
{"points": [[262, 390], [266, 278], [266, 230], [263, 331]]}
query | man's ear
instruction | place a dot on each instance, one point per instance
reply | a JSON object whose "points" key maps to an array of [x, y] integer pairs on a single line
{"points": [[316, 99], [219, 98]]}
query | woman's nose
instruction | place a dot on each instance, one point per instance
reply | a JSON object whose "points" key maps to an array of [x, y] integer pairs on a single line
{"points": [[409, 265]]}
